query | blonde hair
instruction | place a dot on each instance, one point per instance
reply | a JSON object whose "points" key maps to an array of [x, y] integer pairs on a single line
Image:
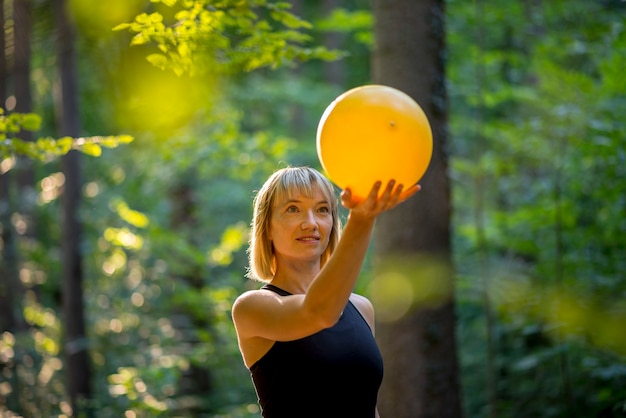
{"points": [[304, 180]]}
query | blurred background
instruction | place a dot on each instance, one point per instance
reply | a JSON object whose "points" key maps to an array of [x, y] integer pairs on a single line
{"points": [[129, 314]]}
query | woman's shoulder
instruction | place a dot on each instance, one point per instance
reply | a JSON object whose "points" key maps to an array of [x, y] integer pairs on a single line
{"points": [[253, 296], [364, 306], [361, 301]]}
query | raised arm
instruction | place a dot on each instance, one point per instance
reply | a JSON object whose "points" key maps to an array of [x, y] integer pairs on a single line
{"points": [[264, 314]]}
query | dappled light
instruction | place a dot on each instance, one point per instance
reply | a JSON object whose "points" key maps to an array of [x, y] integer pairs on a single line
{"points": [[233, 239], [161, 102], [20, 223], [7, 164], [97, 19], [528, 111], [403, 284], [31, 275], [51, 187], [133, 217], [127, 382], [123, 237], [565, 312]]}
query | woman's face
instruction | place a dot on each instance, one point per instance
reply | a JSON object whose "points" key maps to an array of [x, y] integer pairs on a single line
{"points": [[300, 226]]}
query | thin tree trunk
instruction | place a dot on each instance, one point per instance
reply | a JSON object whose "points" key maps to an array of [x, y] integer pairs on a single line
{"points": [[22, 12], [8, 262], [16, 188], [25, 178], [3, 59], [77, 358], [17, 182], [334, 70], [413, 241]]}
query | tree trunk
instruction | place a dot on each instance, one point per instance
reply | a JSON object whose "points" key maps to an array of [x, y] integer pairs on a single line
{"points": [[8, 263], [4, 71], [334, 71], [77, 358], [412, 248], [18, 174]]}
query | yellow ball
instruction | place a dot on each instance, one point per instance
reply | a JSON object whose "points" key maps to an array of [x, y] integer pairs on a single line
{"points": [[373, 133]]}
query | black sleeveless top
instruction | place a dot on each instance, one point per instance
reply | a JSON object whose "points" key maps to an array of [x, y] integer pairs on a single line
{"points": [[333, 373]]}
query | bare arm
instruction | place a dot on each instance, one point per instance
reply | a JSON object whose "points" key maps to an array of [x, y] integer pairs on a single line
{"points": [[271, 317]]}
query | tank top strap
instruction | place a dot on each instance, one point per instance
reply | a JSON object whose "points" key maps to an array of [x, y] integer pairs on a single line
{"points": [[276, 289]]}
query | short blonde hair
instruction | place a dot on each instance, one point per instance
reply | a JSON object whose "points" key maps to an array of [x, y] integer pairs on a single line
{"points": [[304, 180]]}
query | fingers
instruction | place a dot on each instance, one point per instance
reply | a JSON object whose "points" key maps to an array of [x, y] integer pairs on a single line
{"points": [[409, 192], [390, 195], [348, 200], [376, 201], [399, 195], [373, 196]]}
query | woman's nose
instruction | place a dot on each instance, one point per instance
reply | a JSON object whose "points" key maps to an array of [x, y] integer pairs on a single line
{"points": [[309, 220]]}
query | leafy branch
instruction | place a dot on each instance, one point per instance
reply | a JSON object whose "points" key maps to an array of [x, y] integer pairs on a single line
{"points": [[228, 36], [46, 148]]}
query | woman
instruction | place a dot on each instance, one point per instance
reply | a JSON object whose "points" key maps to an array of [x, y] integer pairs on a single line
{"points": [[305, 337]]}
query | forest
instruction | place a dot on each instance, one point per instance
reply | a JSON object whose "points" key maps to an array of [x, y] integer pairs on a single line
{"points": [[136, 132]]}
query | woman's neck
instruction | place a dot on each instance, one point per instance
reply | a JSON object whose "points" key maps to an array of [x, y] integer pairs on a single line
{"points": [[295, 278]]}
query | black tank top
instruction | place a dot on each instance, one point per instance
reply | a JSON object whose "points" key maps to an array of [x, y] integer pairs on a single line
{"points": [[331, 374]]}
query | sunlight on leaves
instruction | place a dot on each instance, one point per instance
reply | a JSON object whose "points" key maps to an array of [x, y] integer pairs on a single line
{"points": [[198, 39], [91, 149], [133, 217], [129, 383], [7, 342], [123, 237], [49, 367], [47, 148], [233, 239], [51, 187], [114, 262]]}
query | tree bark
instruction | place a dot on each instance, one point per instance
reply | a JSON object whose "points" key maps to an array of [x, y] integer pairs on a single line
{"points": [[8, 264], [77, 357], [20, 176], [413, 242], [334, 71]]}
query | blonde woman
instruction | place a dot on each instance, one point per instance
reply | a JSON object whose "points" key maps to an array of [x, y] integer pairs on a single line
{"points": [[307, 340]]}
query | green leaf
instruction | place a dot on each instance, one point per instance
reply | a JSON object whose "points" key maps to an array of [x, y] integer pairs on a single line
{"points": [[31, 122], [65, 144], [121, 26], [139, 39], [125, 139], [158, 60], [91, 149]]}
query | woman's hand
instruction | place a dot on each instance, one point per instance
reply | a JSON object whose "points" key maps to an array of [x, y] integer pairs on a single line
{"points": [[374, 205]]}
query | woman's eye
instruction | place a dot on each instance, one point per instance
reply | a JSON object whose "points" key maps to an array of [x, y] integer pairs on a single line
{"points": [[292, 209], [324, 209]]}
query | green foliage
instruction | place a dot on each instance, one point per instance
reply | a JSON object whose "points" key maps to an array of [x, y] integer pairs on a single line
{"points": [[540, 241], [44, 149], [47, 148], [226, 36], [537, 163], [358, 22], [165, 222]]}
